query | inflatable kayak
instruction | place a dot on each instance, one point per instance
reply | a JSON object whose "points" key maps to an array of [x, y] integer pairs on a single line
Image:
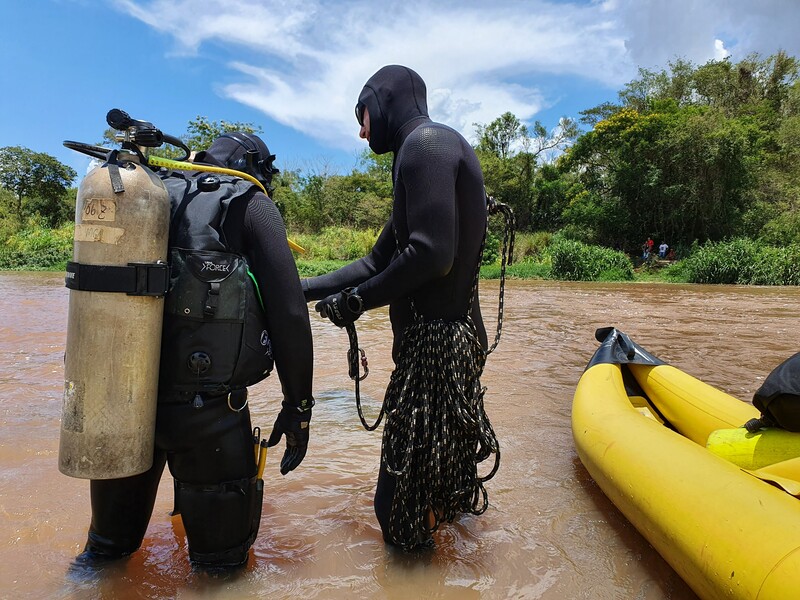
{"points": [[649, 435]]}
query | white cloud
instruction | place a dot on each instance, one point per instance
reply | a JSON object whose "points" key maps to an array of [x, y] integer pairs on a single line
{"points": [[479, 59], [720, 52], [658, 31]]}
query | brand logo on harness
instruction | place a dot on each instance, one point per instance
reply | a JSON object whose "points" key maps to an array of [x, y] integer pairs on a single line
{"points": [[216, 267]]}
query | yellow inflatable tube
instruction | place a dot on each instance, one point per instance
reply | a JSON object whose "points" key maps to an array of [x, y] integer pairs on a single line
{"points": [[727, 534], [692, 406], [713, 419]]}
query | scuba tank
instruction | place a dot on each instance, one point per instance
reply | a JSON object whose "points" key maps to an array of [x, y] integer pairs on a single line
{"points": [[118, 278]]}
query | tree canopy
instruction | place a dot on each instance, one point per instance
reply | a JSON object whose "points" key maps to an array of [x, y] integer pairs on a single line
{"points": [[689, 153], [38, 183]]}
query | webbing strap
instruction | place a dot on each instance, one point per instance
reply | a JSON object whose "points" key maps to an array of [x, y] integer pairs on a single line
{"points": [[113, 172], [212, 299], [135, 279]]}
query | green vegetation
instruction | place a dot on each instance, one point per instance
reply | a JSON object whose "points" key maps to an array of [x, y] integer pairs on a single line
{"points": [[704, 157], [34, 183], [576, 261], [744, 261], [336, 243], [37, 247]]}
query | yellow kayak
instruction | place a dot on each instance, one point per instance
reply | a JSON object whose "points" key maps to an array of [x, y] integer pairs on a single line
{"points": [[641, 428]]}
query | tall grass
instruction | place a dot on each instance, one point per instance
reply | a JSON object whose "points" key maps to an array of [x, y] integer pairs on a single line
{"points": [[743, 261], [576, 261], [532, 246], [36, 247], [526, 269], [336, 243], [536, 256]]}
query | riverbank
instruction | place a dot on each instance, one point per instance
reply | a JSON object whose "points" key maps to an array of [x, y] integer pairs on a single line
{"points": [[537, 256], [528, 269], [524, 270]]}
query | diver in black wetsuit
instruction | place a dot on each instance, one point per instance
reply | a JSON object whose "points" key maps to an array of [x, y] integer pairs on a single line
{"points": [[203, 431], [423, 265]]}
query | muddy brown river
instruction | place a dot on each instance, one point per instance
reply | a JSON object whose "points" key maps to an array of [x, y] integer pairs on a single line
{"points": [[549, 532]]}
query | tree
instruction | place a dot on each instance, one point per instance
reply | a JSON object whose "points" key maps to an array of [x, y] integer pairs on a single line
{"points": [[201, 132], [498, 136], [321, 198], [676, 84], [678, 173], [553, 188], [775, 215], [509, 152], [693, 152], [733, 87], [543, 142], [34, 175], [55, 213]]}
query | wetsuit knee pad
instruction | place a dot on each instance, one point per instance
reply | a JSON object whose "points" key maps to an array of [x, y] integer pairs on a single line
{"points": [[221, 520]]}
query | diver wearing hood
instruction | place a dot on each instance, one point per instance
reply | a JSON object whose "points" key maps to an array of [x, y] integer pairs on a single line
{"points": [[424, 266], [222, 333]]}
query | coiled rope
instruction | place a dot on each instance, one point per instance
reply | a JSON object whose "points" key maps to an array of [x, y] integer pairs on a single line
{"points": [[437, 431]]}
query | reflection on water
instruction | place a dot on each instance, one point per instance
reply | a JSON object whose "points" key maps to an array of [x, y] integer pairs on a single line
{"points": [[549, 532]]}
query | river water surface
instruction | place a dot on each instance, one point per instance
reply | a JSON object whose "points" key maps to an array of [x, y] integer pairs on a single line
{"points": [[549, 532]]}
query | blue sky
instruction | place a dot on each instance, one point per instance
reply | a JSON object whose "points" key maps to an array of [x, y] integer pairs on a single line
{"points": [[295, 67]]}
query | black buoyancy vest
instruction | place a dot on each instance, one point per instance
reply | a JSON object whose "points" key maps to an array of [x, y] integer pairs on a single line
{"points": [[214, 334]]}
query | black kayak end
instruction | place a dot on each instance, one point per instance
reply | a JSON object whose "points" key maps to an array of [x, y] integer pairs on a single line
{"points": [[619, 349]]}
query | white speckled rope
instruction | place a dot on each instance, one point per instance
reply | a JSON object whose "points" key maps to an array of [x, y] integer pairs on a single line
{"points": [[437, 431]]}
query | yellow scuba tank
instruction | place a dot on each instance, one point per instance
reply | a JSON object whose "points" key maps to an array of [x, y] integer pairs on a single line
{"points": [[117, 280]]}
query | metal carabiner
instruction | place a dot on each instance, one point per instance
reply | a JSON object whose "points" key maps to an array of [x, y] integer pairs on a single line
{"points": [[364, 364]]}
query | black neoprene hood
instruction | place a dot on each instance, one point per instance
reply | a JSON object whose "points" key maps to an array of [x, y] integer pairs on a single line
{"points": [[229, 150], [394, 96]]}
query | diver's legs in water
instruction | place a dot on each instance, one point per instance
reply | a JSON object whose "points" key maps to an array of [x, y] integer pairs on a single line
{"points": [[211, 457], [121, 510]]}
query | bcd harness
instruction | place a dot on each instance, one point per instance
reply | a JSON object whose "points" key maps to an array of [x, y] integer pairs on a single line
{"points": [[214, 335]]}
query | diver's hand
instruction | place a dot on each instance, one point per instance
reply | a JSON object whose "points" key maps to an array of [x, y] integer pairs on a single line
{"points": [[292, 421], [342, 308]]}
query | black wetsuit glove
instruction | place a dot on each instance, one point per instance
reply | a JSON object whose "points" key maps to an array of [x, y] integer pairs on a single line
{"points": [[342, 308], [293, 421]]}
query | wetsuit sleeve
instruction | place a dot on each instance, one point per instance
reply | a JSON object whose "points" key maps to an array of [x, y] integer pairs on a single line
{"points": [[428, 171], [272, 263], [317, 288]]}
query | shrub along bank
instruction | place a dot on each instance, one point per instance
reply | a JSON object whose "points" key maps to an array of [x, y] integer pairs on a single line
{"points": [[536, 256]]}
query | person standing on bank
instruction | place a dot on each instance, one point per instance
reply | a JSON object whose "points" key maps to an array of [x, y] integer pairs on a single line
{"points": [[424, 265], [221, 334]]}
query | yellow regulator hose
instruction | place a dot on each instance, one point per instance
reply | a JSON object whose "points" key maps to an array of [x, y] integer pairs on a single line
{"points": [[176, 165]]}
